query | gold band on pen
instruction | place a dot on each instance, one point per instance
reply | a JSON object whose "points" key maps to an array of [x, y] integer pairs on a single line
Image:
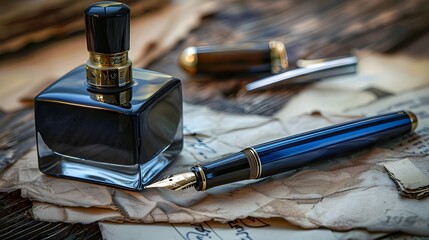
{"points": [[279, 61], [203, 177], [108, 70], [413, 119], [254, 163]]}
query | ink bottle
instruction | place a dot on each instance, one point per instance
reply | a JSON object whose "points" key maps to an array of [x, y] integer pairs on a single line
{"points": [[106, 122]]}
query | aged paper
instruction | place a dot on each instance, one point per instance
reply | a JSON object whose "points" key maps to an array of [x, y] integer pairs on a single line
{"points": [[53, 213], [389, 74], [248, 228], [412, 182], [411, 176], [339, 194], [415, 101]]}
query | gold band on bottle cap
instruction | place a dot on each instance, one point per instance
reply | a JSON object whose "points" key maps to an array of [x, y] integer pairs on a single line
{"points": [[120, 98], [254, 163], [279, 61], [108, 70]]}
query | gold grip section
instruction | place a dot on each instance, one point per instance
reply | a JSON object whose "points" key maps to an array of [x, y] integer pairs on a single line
{"points": [[108, 70], [254, 163], [413, 119], [279, 60]]}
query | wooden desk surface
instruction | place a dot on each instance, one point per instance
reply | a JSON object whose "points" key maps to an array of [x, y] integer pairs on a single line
{"points": [[310, 29]]}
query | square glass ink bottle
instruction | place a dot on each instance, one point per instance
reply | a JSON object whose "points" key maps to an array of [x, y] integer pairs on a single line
{"points": [[106, 122]]}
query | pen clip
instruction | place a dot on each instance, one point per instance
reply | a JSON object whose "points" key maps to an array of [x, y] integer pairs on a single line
{"points": [[312, 70]]}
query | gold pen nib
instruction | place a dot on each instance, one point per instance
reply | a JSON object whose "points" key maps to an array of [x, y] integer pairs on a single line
{"points": [[176, 182]]}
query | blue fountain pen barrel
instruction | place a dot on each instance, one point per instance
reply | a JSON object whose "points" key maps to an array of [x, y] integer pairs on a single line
{"points": [[334, 141], [296, 151], [232, 168]]}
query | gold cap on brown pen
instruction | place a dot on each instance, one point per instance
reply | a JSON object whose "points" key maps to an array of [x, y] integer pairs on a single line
{"points": [[235, 58]]}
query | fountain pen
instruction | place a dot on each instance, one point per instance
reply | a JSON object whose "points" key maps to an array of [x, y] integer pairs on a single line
{"points": [[293, 152]]}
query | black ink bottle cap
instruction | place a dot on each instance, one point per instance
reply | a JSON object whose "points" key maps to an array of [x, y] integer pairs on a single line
{"points": [[107, 27], [108, 42]]}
